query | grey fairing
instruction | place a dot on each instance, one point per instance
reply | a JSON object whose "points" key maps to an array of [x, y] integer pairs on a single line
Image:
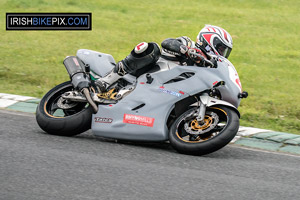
{"points": [[158, 102], [100, 63]]}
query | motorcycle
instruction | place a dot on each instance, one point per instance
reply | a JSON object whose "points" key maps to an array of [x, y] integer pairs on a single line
{"points": [[192, 107]]}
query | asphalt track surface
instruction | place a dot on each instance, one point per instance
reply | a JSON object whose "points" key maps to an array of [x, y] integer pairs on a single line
{"points": [[37, 166]]}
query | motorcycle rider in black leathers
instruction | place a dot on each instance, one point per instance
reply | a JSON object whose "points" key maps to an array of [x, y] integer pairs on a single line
{"points": [[212, 42]]}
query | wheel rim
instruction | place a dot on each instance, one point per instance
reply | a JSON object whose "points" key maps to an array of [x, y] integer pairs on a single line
{"points": [[192, 131], [57, 107]]}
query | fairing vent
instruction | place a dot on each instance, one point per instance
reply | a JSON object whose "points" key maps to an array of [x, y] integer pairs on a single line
{"points": [[181, 77]]}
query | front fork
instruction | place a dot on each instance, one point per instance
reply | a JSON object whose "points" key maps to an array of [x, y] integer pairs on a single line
{"points": [[201, 111], [204, 101]]}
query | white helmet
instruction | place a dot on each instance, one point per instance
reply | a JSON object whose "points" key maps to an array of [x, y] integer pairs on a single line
{"points": [[216, 39]]}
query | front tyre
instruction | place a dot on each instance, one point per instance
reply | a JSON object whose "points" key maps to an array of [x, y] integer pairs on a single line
{"points": [[188, 136], [58, 116]]}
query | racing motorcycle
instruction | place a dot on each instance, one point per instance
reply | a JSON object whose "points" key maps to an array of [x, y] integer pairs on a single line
{"points": [[192, 107]]}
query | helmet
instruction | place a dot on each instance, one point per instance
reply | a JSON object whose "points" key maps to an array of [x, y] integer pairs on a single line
{"points": [[215, 39]]}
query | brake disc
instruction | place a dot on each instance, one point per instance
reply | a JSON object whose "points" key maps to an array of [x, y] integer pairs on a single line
{"points": [[66, 104], [210, 121]]}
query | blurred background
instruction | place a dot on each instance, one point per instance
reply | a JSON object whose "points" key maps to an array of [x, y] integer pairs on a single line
{"points": [[266, 46]]}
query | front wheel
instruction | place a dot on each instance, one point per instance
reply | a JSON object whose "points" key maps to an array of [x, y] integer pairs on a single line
{"points": [[58, 116], [218, 128]]}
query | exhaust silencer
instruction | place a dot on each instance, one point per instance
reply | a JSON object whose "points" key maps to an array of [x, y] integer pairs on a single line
{"points": [[75, 69]]}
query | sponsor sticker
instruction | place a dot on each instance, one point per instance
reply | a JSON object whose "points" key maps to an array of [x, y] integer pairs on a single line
{"points": [[48, 21], [76, 62], [138, 120], [170, 92], [103, 120]]}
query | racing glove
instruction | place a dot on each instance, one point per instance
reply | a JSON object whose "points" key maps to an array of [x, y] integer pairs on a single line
{"points": [[194, 54]]}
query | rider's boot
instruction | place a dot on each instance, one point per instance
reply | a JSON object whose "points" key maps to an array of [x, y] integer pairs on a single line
{"points": [[141, 56], [116, 73]]}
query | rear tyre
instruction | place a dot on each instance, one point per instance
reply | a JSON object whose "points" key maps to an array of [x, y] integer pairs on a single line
{"points": [[58, 116], [188, 136]]}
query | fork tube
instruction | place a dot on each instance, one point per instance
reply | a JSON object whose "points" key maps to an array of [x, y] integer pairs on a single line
{"points": [[202, 110]]}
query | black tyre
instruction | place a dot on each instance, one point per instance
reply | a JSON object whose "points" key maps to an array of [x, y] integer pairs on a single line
{"points": [[60, 117], [188, 136]]}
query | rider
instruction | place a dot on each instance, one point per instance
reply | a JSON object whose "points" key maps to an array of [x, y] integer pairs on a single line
{"points": [[212, 41]]}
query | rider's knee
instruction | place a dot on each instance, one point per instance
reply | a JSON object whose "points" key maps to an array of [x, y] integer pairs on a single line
{"points": [[143, 55]]}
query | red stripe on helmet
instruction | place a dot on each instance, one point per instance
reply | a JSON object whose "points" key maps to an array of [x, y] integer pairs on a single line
{"points": [[207, 37], [225, 35]]}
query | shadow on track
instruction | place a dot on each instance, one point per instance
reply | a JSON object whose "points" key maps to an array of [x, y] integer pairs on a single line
{"points": [[224, 153]]}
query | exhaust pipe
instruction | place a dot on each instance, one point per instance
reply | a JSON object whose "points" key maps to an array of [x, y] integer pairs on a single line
{"points": [[75, 69], [88, 97], [79, 79]]}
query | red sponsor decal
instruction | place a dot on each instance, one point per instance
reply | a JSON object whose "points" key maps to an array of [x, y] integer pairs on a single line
{"points": [[138, 120], [181, 92], [142, 82], [76, 62], [162, 87]]}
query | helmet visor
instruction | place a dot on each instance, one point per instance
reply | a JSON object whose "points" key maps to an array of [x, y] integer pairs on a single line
{"points": [[221, 48]]}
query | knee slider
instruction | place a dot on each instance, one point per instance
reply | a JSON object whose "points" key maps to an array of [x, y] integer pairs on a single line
{"points": [[142, 55]]}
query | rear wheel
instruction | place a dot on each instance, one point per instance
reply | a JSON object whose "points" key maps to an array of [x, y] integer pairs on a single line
{"points": [[59, 116], [189, 136]]}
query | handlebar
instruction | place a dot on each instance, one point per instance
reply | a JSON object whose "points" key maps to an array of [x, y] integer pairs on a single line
{"points": [[198, 55]]}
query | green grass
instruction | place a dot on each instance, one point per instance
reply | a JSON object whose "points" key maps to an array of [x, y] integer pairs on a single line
{"points": [[266, 49]]}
